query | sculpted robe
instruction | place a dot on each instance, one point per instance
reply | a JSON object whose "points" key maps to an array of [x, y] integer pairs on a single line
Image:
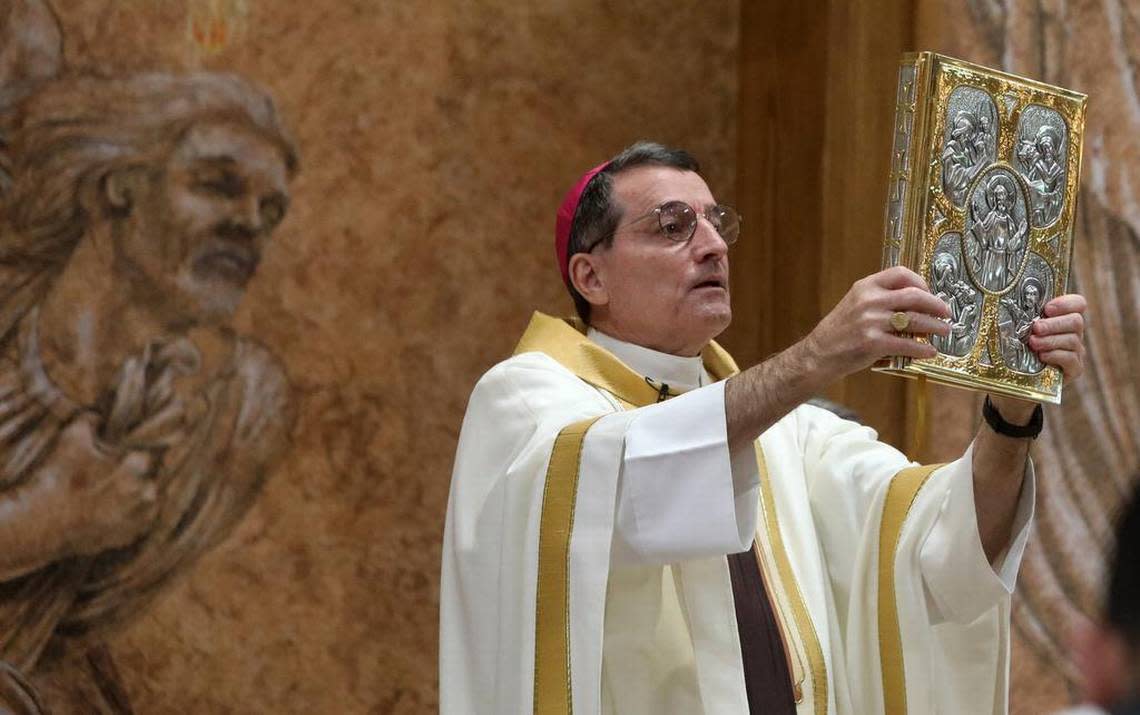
{"points": [[1001, 239], [584, 550], [206, 482]]}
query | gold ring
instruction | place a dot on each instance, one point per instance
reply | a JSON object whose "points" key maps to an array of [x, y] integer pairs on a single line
{"points": [[900, 321]]}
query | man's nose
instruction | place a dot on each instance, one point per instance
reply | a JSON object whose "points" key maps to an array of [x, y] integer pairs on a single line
{"points": [[707, 241], [247, 214]]}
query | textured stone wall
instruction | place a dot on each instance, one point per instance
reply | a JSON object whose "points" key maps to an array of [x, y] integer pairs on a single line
{"points": [[436, 139], [1088, 457]]}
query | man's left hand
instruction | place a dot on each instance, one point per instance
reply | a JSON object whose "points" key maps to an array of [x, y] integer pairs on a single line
{"points": [[1058, 338]]}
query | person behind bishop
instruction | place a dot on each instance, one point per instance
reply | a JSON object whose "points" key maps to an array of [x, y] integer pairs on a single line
{"points": [[635, 526]]}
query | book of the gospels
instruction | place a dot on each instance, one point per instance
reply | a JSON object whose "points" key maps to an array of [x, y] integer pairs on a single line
{"points": [[981, 203]]}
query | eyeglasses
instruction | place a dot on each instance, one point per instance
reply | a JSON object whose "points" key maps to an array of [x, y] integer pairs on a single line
{"points": [[678, 221]]}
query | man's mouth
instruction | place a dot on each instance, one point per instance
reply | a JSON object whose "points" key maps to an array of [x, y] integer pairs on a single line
{"points": [[712, 283], [234, 264]]}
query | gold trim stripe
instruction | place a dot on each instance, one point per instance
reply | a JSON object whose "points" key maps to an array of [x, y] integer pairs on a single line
{"points": [[901, 494], [804, 624], [565, 341], [552, 694]]}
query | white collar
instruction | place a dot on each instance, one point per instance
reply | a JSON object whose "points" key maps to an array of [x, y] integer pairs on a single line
{"points": [[680, 373]]}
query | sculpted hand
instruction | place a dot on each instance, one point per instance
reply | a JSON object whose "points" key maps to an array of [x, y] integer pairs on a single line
{"points": [[153, 408], [98, 499], [858, 332]]}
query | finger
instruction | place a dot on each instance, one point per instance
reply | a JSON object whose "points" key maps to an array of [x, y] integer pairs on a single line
{"points": [[158, 428], [916, 300], [1068, 361], [129, 394], [160, 392], [1070, 323], [1070, 303], [135, 465], [899, 277], [1064, 341], [922, 324], [148, 493], [898, 346]]}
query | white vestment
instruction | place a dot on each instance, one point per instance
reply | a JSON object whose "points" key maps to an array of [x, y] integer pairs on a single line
{"points": [[644, 592]]}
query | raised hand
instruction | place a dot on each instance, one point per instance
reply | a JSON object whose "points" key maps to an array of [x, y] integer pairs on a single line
{"points": [[1058, 338], [858, 332]]}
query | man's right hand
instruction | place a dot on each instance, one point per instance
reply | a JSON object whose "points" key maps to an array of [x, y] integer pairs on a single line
{"points": [[857, 332], [853, 336], [97, 498]]}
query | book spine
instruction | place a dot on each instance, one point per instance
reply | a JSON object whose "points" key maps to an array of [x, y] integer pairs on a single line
{"points": [[900, 178]]}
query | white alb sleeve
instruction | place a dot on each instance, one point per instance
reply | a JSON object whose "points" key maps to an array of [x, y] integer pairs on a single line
{"points": [[961, 584], [681, 493]]}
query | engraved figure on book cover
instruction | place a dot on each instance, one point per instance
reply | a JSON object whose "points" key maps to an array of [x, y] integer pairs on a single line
{"points": [[949, 285], [968, 149], [1018, 316], [1046, 175], [997, 241]]}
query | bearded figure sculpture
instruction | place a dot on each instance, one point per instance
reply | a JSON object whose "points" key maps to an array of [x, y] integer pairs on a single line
{"points": [[136, 427]]}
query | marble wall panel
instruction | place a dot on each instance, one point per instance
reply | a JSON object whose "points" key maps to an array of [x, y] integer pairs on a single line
{"points": [[1088, 457], [435, 140]]}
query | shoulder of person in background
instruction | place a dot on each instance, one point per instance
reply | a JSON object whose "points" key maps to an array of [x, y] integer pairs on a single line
{"points": [[1082, 710]]}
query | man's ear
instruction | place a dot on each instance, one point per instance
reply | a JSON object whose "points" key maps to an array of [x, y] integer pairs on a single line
{"points": [[121, 187], [587, 279]]}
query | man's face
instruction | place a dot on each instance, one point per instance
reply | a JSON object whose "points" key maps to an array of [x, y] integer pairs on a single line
{"points": [[661, 294], [1030, 298], [198, 229], [1001, 199], [945, 272], [962, 128]]}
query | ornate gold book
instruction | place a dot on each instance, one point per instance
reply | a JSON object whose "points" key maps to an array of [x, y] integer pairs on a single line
{"points": [[981, 203]]}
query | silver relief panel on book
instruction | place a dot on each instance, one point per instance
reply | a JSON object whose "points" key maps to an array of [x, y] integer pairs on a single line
{"points": [[997, 229], [969, 143], [1002, 202], [949, 281], [1040, 156]]}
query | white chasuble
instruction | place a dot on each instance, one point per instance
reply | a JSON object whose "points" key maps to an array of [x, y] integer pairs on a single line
{"points": [[584, 550]]}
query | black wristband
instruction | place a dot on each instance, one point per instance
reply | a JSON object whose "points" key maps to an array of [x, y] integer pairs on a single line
{"points": [[998, 424]]}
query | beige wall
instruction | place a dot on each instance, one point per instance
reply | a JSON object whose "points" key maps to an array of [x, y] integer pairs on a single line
{"points": [[436, 139]]}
